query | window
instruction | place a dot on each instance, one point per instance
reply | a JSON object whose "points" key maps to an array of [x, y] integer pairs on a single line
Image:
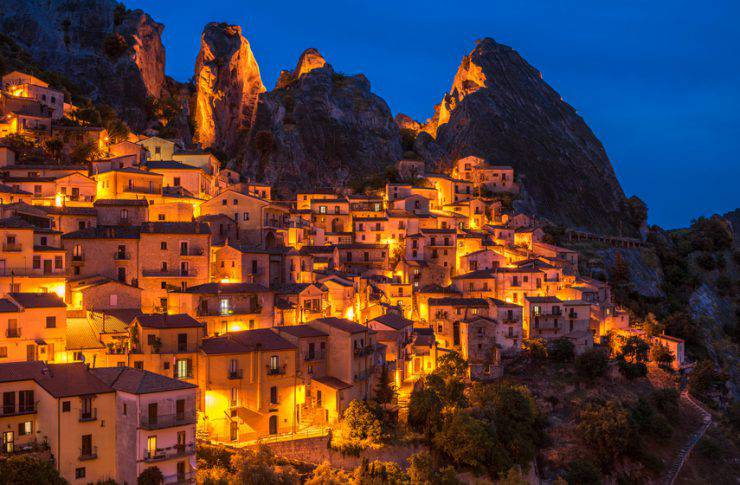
{"points": [[51, 322], [176, 182], [43, 241], [80, 472], [36, 262], [124, 214], [66, 406], [274, 363], [245, 216], [125, 409], [58, 262], [273, 395], [183, 369], [224, 202], [322, 209], [163, 245], [182, 342], [25, 428], [3, 352]]}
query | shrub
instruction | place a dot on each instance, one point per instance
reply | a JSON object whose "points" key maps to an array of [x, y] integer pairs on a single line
{"points": [[665, 400], [358, 429], [592, 364], [28, 470], [467, 441], [606, 430], [632, 370], [536, 347], [385, 472], [582, 472], [704, 380], [562, 350], [151, 476], [661, 355]]}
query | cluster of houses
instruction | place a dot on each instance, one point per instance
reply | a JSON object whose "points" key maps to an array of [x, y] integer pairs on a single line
{"points": [[154, 294]]}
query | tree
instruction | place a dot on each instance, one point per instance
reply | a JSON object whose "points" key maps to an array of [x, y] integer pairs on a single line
{"points": [[425, 408], [619, 278], [53, 148], [536, 347], [652, 326], [635, 349], [562, 350], [385, 392], [385, 472], [513, 476], [665, 400], [358, 429], [28, 470], [661, 355], [592, 364], [704, 380], [324, 474], [421, 471], [467, 441], [582, 472], [151, 476], [606, 431], [451, 364], [258, 467]]}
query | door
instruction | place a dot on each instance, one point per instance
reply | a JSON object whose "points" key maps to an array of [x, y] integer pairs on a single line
{"points": [[180, 409], [8, 442], [180, 471], [318, 398], [9, 402], [152, 413], [273, 424], [122, 275], [456, 333], [30, 352], [47, 266], [151, 446]]}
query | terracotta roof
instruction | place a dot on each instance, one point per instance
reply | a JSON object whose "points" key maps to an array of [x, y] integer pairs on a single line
{"points": [[342, 324], [175, 228], [120, 202], [301, 331], [169, 165], [105, 232], [12, 190], [38, 300], [163, 320], [332, 382], [542, 299], [59, 380], [246, 341], [466, 302], [479, 274], [393, 320], [7, 306], [137, 381], [227, 288]]}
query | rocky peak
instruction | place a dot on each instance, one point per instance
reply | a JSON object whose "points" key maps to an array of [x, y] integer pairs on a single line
{"points": [[112, 54], [228, 84], [500, 109], [310, 59]]}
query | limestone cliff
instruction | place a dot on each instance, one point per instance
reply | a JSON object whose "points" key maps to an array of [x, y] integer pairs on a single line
{"points": [[499, 108], [320, 128], [115, 55], [228, 85]]}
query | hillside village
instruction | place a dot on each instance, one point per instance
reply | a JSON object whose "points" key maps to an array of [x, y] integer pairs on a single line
{"points": [[155, 293]]}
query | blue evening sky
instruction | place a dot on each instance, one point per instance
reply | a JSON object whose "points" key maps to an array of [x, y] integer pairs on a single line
{"points": [[657, 81]]}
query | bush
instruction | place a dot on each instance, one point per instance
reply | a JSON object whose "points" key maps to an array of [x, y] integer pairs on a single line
{"points": [[592, 364], [665, 400], [632, 370], [536, 347], [358, 429], [421, 471], [704, 380], [28, 470], [562, 350], [582, 472], [467, 441], [607, 431], [259, 467], [385, 472], [661, 355], [151, 476]]}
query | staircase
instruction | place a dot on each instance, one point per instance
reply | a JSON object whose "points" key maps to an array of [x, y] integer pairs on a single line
{"points": [[675, 469]]}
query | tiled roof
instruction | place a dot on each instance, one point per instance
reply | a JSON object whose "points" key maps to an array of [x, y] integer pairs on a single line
{"points": [[120, 202], [7, 306], [393, 320], [7, 189], [80, 335], [169, 165], [105, 232], [38, 300], [342, 324], [466, 302], [227, 288], [138, 381], [59, 380], [245, 341], [332, 382], [15, 222], [163, 320], [175, 228], [479, 274], [300, 331], [542, 299]]}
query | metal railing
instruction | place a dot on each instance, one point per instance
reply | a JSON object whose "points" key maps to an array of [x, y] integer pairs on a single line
{"points": [[90, 415], [176, 451], [166, 420], [190, 272], [236, 374], [12, 247], [315, 356], [17, 410], [121, 255], [275, 371], [192, 252], [13, 333], [88, 453]]}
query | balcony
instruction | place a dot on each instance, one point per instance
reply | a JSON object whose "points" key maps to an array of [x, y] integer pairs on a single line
{"points": [[161, 454], [12, 247], [6, 411], [13, 333], [315, 356], [121, 256], [170, 273], [166, 420], [364, 351], [78, 258], [192, 252], [90, 453], [182, 478], [235, 374], [277, 371], [89, 415]]}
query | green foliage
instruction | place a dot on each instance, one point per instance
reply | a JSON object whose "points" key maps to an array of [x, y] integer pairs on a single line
{"points": [[513, 476], [665, 400], [324, 474], [652, 326], [635, 349], [28, 470], [710, 234], [258, 467], [606, 430], [631, 370], [421, 471], [704, 381], [379, 472], [358, 429], [452, 365], [150, 476], [592, 364], [619, 278], [562, 350], [385, 391], [25, 147], [647, 421], [582, 472], [469, 442], [661, 355], [536, 347]]}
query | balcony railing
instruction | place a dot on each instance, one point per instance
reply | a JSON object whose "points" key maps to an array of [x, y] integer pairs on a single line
{"points": [[88, 453], [235, 374], [12, 247], [17, 410], [363, 351], [78, 257], [192, 252], [90, 415], [13, 333], [315, 356], [161, 454], [178, 273], [167, 420], [276, 371], [182, 478], [121, 255]]}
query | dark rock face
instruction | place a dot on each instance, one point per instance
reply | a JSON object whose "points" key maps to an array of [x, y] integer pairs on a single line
{"points": [[115, 55], [320, 128], [499, 108]]}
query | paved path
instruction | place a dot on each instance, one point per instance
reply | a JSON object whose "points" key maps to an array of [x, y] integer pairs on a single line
{"points": [[675, 469]]}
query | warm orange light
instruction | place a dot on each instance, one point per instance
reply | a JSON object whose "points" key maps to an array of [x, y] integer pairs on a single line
{"points": [[350, 313], [59, 200]]}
